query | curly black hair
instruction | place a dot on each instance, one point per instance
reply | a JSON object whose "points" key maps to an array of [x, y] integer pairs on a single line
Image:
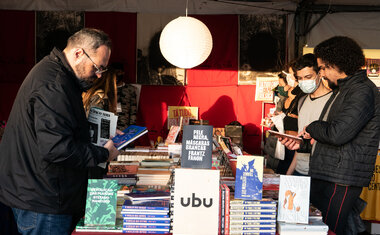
{"points": [[341, 52]]}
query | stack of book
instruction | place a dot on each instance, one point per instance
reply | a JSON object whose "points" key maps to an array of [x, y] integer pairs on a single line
{"points": [[247, 216], [118, 228], [153, 176], [142, 154], [146, 216], [124, 171]]}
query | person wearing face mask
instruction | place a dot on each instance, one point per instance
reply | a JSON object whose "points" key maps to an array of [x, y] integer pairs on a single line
{"points": [[346, 136], [46, 149], [291, 115], [309, 106]]}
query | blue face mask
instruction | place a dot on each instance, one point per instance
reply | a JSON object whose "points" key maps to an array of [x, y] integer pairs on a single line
{"points": [[309, 86]]}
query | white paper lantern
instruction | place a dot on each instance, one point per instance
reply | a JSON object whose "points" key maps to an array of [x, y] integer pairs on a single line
{"points": [[186, 42]]}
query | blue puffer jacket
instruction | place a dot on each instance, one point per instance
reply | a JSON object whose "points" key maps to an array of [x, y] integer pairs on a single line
{"points": [[347, 143]]}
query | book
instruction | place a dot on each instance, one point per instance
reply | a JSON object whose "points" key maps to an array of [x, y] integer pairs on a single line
{"points": [[148, 196], [263, 202], [197, 147], [147, 226], [223, 209], [101, 202], [196, 201], [172, 135], [80, 227], [146, 216], [147, 205], [249, 177], [131, 133], [294, 199], [149, 231], [227, 210], [147, 221], [313, 227], [283, 135]]}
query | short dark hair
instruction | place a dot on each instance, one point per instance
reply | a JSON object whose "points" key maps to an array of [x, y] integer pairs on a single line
{"points": [[341, 52], [307, 60], [89, 38]]}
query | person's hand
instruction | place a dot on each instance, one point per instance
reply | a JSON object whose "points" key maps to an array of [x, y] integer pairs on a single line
{"points": [[289, 143], [119, 132], [112, 151]]}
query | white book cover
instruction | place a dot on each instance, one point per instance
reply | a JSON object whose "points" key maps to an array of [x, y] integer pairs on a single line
{"points": [[196, 201], [294, 199]]}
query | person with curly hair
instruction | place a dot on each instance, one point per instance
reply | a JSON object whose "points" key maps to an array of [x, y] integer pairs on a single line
{"points": [[345, 139]]}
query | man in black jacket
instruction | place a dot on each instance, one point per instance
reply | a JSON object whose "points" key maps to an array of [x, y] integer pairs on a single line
{"points": [[46, 148], [345, 139]]}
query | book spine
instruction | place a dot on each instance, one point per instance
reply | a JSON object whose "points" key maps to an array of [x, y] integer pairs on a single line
{"points": [[223, 204], [252, 233], [263, 214], [227, 209], [144, 231], [145, 215], [152, 221], [250, 217], [257, 207], [258, 229], [248, 202], [146, 226], [256, 223], [154, 208]]}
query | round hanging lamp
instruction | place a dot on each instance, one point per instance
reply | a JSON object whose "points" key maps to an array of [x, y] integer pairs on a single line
{"points": [[186, 42]]}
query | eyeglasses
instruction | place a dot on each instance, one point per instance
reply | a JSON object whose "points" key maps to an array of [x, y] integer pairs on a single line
{"points": [[99, 70]]}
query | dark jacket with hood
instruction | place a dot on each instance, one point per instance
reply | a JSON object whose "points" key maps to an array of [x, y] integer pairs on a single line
{"points": [[347, 142], [46, 148]]}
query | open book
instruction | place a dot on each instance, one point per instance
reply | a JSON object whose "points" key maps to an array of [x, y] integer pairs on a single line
{"points": [[131, 133]]}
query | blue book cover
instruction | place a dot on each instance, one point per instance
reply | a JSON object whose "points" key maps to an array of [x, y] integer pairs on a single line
{"points": [[249, 177], [131, 133], [159, 205]]}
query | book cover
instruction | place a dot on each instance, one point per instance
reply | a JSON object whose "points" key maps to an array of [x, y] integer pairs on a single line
{"points": [[80, 227], [172, 135], [196, 201], [294, 199], [186, 112], [101, 202], [131, 133], [197, 147], [249, 177]]}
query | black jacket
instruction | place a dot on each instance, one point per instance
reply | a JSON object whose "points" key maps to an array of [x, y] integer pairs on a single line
{"points": [[347, 143], [46, 148]]}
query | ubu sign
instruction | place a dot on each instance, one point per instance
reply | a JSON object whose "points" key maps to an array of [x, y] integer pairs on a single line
{"points": [[196, 201]]}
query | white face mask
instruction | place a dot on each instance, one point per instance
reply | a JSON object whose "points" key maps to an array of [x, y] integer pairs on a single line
{"points": [[309, 86], [291, 82]]}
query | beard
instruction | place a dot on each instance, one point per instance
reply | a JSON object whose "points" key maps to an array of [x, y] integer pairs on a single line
{"points": [[331, 84], [85, 82]]}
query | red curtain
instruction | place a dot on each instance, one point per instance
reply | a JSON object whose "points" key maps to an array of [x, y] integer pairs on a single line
{"points": [[17, 48], [121, 27]]}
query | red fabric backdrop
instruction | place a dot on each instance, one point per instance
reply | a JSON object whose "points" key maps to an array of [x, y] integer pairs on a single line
{"points": [[212, 86]]}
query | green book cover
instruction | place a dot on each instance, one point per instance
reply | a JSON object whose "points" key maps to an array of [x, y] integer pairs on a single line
{"points": [[101, 202]]}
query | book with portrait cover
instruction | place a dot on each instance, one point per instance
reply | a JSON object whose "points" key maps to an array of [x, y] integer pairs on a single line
{"points": [[249, 177], [294, 199], [131, 133], [101, 202]]}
